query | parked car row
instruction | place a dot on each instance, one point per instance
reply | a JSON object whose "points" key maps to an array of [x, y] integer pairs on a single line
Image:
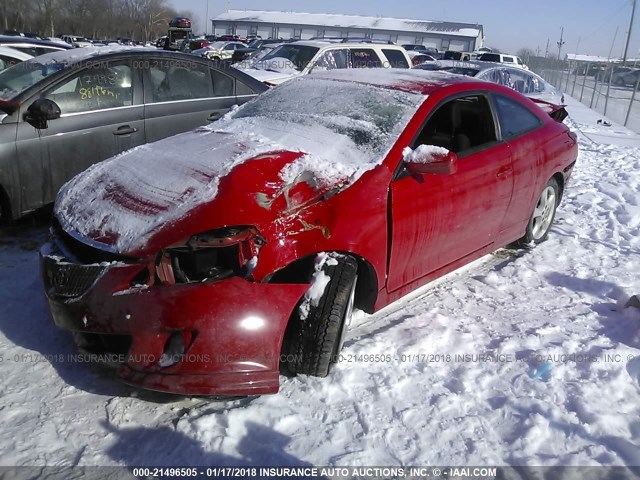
{"points": [[291, 60]]}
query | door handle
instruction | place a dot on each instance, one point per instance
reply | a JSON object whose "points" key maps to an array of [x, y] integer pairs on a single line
{"points": [[125, 130], [504, 172], [215, 116]]}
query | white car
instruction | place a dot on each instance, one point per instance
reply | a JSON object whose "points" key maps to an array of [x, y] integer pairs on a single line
{"points": [[10, 56], [219, 50], [291, 60], [511, 60], [75, 41]]}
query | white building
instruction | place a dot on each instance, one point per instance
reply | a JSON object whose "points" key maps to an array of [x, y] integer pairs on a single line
{"points": [[286, 25]]}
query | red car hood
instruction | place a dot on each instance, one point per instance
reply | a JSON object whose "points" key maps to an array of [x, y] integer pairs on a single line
{"points": [[142, 200]]}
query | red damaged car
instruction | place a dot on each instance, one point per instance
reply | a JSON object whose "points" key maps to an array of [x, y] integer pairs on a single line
{"points": [[211, 261]]}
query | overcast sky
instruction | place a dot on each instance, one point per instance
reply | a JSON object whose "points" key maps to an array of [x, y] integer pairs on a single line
{"points": [[508, 24]]}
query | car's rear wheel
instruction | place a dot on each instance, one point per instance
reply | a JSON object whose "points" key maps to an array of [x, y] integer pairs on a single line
{"points": [[543, 215], [312, 344]]}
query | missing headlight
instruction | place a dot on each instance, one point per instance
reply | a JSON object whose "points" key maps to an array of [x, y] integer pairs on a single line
{"points": [[211, 256]]}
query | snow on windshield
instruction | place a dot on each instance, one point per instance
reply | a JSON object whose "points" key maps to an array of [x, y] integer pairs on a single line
{"points": [[345, 127]]}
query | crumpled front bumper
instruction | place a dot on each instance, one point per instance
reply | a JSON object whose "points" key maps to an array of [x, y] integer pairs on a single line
{"points": [[232, 329]]}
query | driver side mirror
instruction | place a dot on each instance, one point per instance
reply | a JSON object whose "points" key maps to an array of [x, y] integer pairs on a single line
{"points": [[430, 159], [41, 111]]}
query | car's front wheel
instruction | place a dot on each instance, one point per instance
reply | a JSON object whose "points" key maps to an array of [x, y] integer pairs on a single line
{"points": [[314, 342], [543, 215]]}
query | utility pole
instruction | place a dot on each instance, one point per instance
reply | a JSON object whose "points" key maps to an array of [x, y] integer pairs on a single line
{"points": [[546, 52], [626, 47], [560, 43], [206, 20]]}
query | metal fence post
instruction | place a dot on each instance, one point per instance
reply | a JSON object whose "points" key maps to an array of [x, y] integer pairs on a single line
{"points": [[584, 80], [633, 96], [606, 98], [595, 85], [575, 80], [566, 84]]}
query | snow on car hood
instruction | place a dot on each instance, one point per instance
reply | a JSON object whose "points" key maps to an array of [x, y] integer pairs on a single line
{"points": [[121, 202]]}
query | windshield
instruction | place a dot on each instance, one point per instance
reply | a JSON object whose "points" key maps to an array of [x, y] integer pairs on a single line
{"points": [[489, 57], [298, 56], [20, 77], [366, 117]]}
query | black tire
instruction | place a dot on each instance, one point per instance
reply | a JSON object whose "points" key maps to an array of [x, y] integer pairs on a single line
{"points": [[313, 344], [542, 216]]}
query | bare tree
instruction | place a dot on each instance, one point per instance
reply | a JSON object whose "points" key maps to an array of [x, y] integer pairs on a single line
{"points": [[137, 19], [525, 54]]}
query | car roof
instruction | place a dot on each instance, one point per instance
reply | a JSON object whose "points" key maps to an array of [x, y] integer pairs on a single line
{"points": [[77, 55], [480, 65], [332, 43], [4, 39], [410, 80], [12, 52]]}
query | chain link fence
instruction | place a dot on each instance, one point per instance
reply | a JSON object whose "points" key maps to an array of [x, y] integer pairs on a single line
{"points": [[607, 88]]}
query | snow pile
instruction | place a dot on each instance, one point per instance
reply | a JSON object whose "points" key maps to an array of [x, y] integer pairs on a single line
{"points": [[424, 154]]}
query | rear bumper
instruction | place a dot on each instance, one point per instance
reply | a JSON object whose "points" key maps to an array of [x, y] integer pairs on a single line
{"points": [[231, 331]]}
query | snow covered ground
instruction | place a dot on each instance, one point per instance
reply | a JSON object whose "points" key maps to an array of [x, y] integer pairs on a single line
{"points": [[457, 379]]}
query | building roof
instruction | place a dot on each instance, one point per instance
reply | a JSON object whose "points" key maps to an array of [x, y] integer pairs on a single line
{"points": [[598, 59], [351, 21]]}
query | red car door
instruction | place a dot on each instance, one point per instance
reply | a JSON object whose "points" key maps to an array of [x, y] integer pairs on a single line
{"points": [[439, 219]]}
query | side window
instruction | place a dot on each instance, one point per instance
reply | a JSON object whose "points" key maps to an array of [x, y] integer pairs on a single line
{"points": [[519, 80], [364, 58], [537, 85], [222, 84], [461, 125], [492, 75], [173, 81], [505, 78], [508, 60], [332, 59], [395, 58], [515, 119], [242, 89], [95, 88]]}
